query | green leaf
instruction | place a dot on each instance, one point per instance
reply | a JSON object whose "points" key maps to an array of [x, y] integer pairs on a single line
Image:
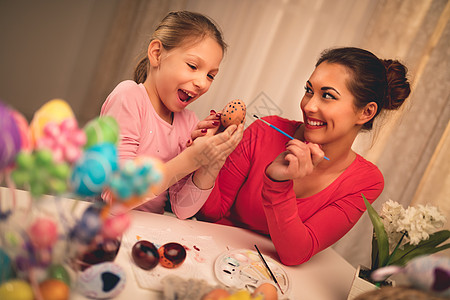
{"points": [[374, 253], [420, 251], [424, 247], [380, 234]]}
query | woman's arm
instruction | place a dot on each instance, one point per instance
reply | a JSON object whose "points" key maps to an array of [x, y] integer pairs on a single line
{"points": [[297, 240]]}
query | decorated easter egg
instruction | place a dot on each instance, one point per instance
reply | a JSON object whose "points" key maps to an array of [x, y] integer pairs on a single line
{"points": [[24, 131], [101, 281], [115, 226], [16, 289], [266, 291], [430, 273], [171, 255], [43, 233], [6, 268], [58, 271], [216, 294], [54, 289], [94, 169], [10, 141], [145, 255], [100, 251], [55, 110], [233, 113], [101, 130], [87, 227]]}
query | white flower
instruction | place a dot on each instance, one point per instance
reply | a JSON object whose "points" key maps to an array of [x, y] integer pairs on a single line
{"points": [[418, 222]]}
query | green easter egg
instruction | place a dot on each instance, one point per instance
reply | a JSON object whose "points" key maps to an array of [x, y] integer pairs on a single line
{"points": [[44, 158], [24, 160], [59, 272], [101, 130], [16, 289]]}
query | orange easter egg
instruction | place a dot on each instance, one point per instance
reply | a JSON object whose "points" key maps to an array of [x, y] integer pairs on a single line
{"points": [[54, 289], [216, 294], [233, 113], [267, 290]]}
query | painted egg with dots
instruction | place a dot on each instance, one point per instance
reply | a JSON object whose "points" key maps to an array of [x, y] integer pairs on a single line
{"points": [[101, 281], [171, 255], [233, 113], [145, 255], [10, 140]]}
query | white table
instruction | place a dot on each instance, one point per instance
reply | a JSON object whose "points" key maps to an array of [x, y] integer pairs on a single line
{"points": [[326, 276]]}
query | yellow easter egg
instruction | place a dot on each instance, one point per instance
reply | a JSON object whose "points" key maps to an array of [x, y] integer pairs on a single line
{"points": [[56, 110], [16, 289]]}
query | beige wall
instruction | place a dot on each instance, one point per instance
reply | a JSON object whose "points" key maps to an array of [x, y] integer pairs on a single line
{"points": [[49, 49]]}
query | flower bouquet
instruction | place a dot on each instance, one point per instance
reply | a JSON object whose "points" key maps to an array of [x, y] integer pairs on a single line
{"points": [[403, 234], [400, 236]]}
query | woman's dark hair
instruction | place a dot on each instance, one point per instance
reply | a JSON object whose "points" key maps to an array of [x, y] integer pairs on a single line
{"points": [[175, 29], [373, 80]]}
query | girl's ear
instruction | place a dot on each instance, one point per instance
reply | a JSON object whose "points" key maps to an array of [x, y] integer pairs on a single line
{"points": [[154, 52], [367, 113]]}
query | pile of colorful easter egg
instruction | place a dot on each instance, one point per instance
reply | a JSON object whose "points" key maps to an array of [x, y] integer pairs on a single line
{"points": [[52, 155]]}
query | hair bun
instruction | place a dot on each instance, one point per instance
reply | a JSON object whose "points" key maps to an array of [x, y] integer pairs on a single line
{"points": [[398, 88]]}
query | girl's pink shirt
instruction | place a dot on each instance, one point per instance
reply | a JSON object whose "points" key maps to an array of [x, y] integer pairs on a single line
{"points": [[144, 133]]}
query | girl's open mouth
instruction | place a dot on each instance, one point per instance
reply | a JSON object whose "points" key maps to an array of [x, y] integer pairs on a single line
{"points": [[184, 96]]}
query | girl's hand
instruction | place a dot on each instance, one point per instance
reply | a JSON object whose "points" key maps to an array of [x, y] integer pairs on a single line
{"points": [[298, 161], [210, 150], [207, 126], [213, 153]]}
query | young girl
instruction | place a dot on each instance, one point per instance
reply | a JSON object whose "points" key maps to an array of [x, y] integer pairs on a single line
{"points": [[285, 188], [182, 60]]}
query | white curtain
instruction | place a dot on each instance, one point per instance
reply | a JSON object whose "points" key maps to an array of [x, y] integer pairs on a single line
{"points": [[273, 46]]}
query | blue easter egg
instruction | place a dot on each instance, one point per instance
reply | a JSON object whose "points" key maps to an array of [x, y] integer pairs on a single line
{"points": [[94, 169], [101, 281], [88, 226], [6, 269]]}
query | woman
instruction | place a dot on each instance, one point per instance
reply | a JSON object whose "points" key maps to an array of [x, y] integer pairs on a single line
{"points": [[285, 188]]}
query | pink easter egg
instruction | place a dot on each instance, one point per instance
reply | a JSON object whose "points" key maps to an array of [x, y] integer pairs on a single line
{"points": [[115, 226], [43, 233], [24, 130]]}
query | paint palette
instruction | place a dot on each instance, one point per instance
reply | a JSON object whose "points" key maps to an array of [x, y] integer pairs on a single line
{"points": [[243, 268]]}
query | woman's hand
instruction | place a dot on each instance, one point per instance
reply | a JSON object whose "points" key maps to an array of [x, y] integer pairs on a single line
{"points": [[299, 160], [208, 126], [212, 151]]}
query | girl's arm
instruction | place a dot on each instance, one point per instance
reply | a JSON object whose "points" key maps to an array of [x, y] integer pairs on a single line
{"points": [[297, 240], [189, 199]]}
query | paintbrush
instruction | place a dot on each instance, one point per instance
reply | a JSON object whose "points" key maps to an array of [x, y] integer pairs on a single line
{"points": [[268, 269], [279, 130]]}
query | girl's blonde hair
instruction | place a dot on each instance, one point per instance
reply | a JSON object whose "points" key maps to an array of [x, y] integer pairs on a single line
{"points": [[177, 28]]}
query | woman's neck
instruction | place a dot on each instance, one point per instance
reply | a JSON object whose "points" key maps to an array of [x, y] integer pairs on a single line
{"points": [[340, 152]]}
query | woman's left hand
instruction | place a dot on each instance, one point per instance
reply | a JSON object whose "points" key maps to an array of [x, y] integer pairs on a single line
{"points": [[299, 160]]}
